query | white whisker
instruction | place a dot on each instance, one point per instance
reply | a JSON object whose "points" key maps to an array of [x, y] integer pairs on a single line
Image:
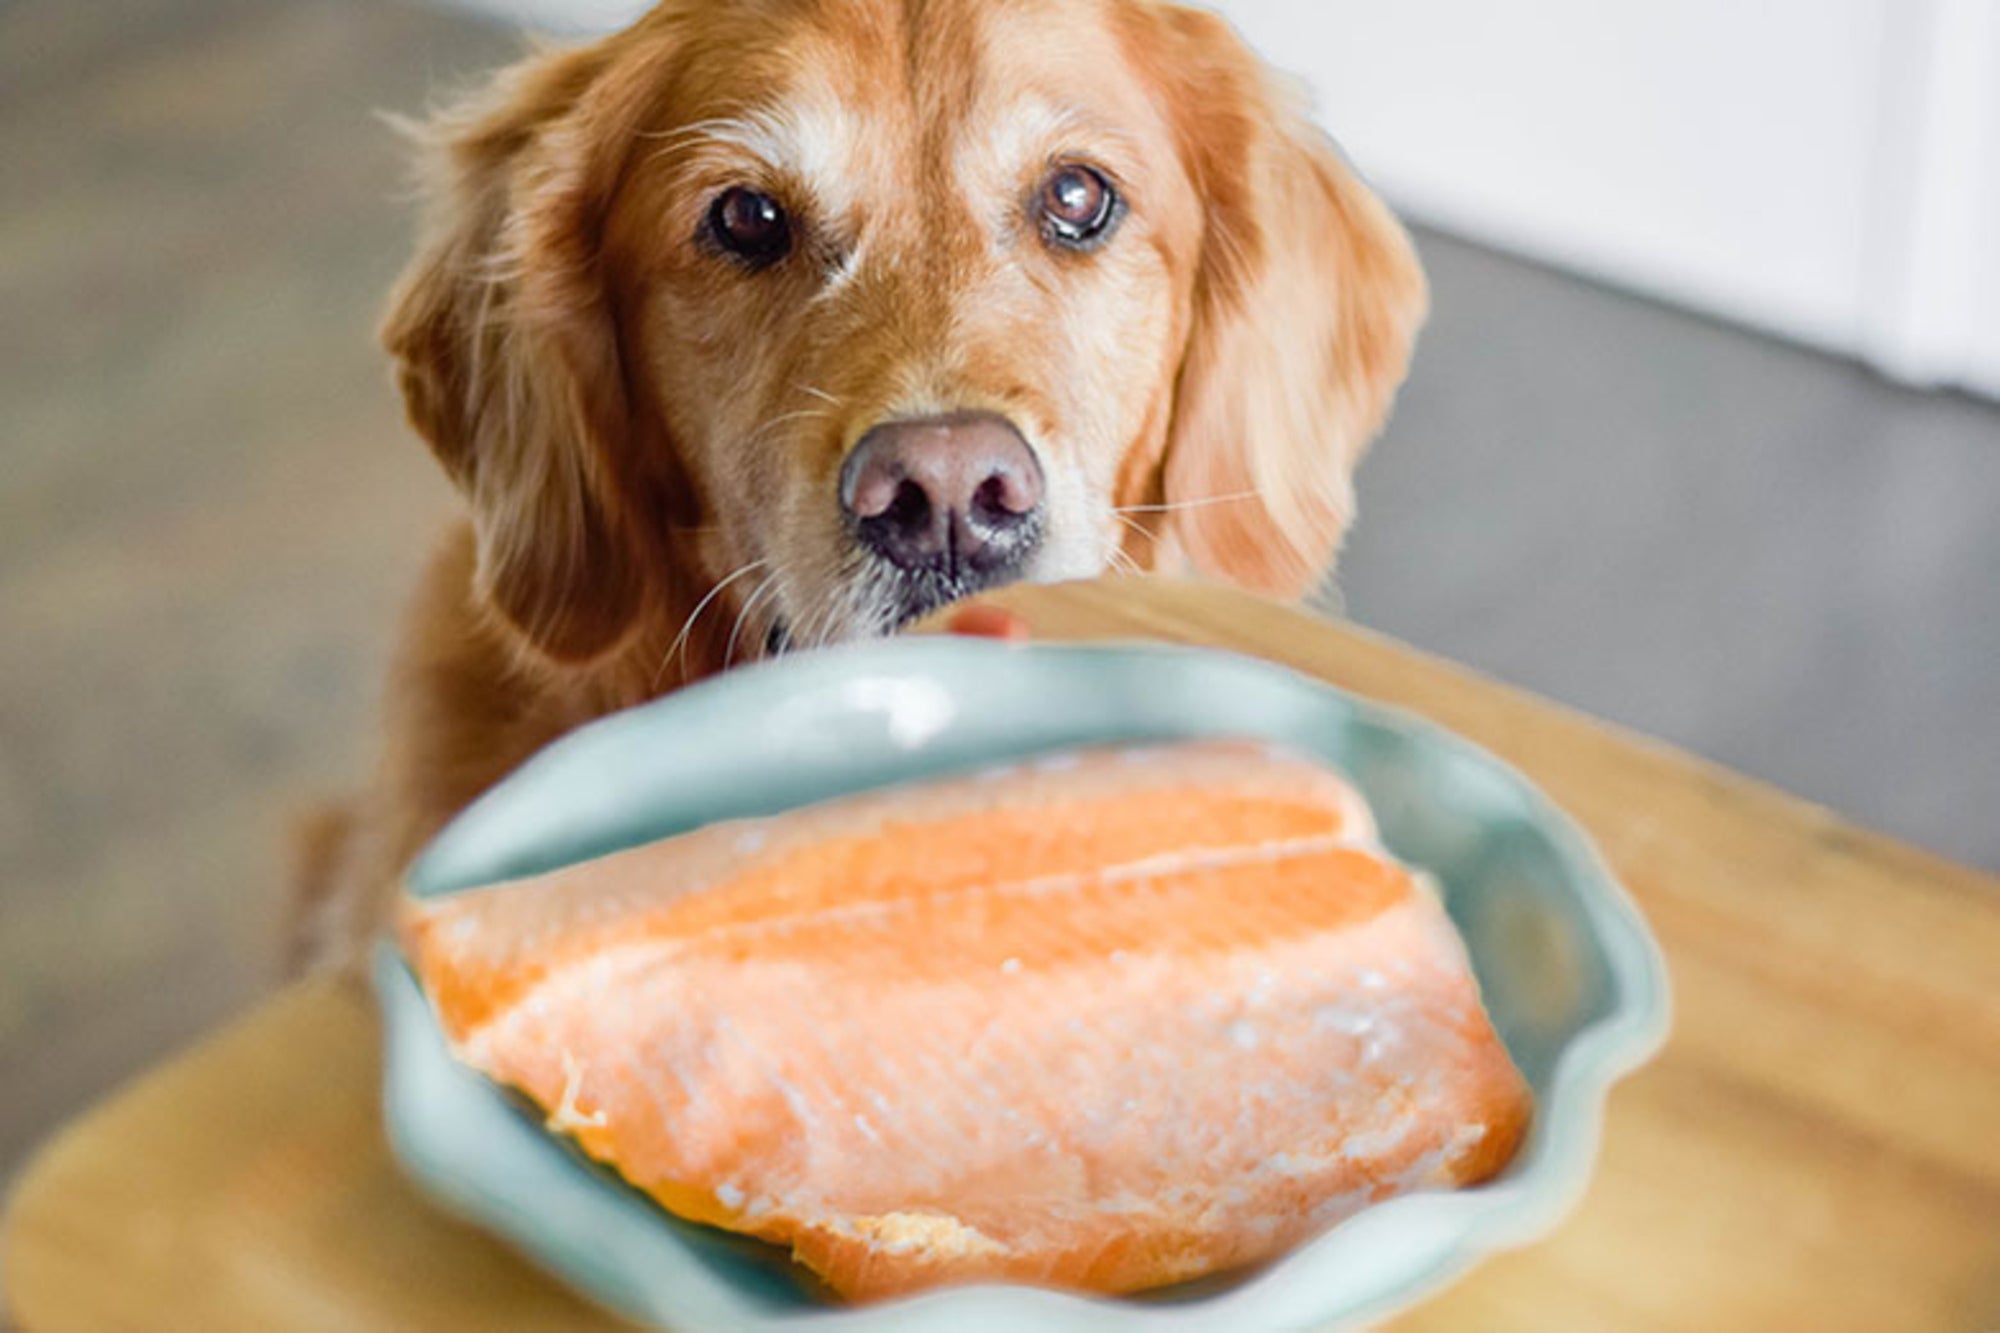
{"points": [[1134, 525], [692, 129], [832, 619], [1119, 558], [716, 134], [680, 642], [813, 630], [833, 613], [757, 436], [1187, 504], [729, 653]]}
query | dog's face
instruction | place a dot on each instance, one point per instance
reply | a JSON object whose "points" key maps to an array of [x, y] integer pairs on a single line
{"points": [[908, 295], [808, 317]]}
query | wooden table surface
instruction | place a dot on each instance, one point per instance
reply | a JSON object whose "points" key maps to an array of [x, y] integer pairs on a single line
{"points": [[1818, 1147]]}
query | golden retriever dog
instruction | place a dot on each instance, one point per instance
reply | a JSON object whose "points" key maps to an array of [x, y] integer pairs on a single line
{"points": [[767, 324]]}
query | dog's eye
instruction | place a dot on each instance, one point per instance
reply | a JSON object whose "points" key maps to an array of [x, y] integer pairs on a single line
{"points": [[1079, 207], [751, 226]]}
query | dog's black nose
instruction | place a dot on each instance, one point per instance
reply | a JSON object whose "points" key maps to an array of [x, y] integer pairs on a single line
{"points": [[959, 496]]}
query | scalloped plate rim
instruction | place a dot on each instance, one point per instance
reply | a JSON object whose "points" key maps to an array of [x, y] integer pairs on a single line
{"points": [[1517, 1208]]}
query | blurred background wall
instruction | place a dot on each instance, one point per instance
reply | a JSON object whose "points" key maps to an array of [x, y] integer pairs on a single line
{"points": [[1828, 170]]}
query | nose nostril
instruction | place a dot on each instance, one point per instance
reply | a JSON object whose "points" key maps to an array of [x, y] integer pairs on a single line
{"points": [[910, 509], [1005, 497], [990, 500]]}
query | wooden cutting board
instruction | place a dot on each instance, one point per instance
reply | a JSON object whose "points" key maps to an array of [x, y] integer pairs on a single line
{"points": [[1818, 1147]]}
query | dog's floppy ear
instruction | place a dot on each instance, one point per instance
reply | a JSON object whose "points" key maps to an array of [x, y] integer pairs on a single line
{"points": [[507, 353], [1307, 300]]}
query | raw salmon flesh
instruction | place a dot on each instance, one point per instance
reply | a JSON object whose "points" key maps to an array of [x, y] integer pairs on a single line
{"points": [[1105, 1021]]}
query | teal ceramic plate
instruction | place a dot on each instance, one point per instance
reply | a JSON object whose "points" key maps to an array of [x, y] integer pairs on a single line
{"points": [[1574, 982]]}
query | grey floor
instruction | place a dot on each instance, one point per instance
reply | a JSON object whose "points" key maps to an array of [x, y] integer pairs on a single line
{"points": [[209, 511], [1764, 555]]}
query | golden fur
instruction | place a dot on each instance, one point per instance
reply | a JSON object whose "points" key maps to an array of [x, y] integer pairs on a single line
{"points": [[648, 437]]}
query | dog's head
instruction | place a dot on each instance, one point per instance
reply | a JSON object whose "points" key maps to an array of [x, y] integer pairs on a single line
{"points": [[805, 316]]}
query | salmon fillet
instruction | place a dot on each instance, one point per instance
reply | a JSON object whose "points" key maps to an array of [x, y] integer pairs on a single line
{"points": [[1107, 1020]]}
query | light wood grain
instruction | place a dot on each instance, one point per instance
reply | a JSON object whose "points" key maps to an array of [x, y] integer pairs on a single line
{"points": [[1817, 1147]]}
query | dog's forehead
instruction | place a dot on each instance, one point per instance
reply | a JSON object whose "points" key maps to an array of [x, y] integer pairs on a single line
{"points": [[850, 96]]}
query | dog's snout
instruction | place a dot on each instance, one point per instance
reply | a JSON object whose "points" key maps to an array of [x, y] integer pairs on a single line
{"points": [[960, 495]]}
